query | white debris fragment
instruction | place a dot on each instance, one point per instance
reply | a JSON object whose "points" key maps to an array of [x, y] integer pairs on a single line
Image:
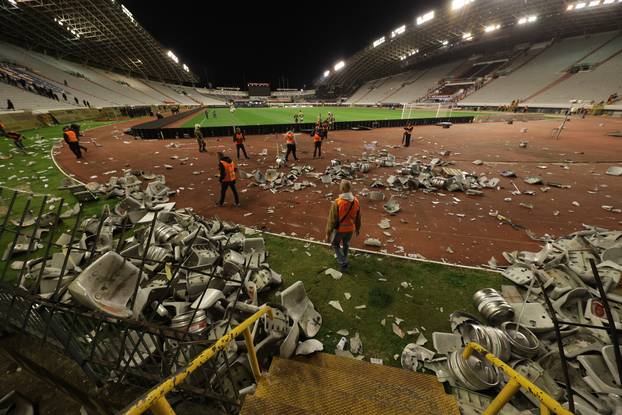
{"points": [[398, 331], [336, 305], [333, 273]]}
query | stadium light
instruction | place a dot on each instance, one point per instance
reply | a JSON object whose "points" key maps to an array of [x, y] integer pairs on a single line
{"points": [[492, 28], [458, 4], [379, 42], [326, 73], [339, 65], [528, 19], [171, 55], [13, 2], [608, 1], [467, 36], [398, 31], [127, 13], [425, 18], [445, 42], [594, 3], [185, 67], [579, 6]]}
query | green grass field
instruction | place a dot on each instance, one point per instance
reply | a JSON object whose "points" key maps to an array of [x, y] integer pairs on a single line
{"points": [[261, 116]]}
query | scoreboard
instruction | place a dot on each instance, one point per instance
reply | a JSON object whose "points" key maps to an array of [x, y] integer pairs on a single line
{"points": [[258, 89]]}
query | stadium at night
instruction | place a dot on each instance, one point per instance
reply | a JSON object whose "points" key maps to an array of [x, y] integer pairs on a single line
{"points": [[406, 208]]}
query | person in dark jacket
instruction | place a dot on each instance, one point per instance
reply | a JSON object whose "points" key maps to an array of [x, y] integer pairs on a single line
{"points": [[407, 134], [17, 139], [198, 134], [228, 173], [9, 105], [239, 138], [71, 138], [76, 129]]}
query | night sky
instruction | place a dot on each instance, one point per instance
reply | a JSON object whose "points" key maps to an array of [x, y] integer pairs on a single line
{"points": [[289, 44]]}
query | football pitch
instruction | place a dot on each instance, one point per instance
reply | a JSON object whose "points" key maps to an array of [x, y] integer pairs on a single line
{"points": [[262, 116]]}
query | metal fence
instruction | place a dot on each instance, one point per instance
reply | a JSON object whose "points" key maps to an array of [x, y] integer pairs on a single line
{"points": [[38, 266]]}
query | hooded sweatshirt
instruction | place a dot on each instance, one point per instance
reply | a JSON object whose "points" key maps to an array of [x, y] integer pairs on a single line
{"points": [[333, 214], [226, 159]]}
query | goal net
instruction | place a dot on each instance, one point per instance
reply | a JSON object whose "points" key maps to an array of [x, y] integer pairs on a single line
{"points": [[419, 110]]}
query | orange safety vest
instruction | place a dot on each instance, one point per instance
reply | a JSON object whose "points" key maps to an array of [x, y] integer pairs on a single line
{"points": [[348, 219], [229, 171], [316, 138], [239, 138], [290, 138], [71, 136]]}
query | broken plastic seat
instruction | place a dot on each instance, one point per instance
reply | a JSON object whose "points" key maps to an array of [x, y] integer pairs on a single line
{"points": [[106, 285], [298, 305]]}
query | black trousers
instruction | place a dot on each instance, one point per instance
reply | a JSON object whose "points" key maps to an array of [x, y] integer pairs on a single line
{"points": [[317, 148], [201, 142], [75, 149], [406, 140], [223, 191], [291, 148], [239, 147], [19, 144]]}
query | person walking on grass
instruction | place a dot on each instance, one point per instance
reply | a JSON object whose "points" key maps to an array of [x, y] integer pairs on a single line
{"points": [[214, 114], [317, 144], [198, 134], [16, 137], [344, 220], [71, 138], [291, 145], [406, 136], [228, 174], [239, 138]]}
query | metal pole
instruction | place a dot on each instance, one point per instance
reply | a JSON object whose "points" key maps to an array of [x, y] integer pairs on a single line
{"points": [[252, 355], [560, 345]]}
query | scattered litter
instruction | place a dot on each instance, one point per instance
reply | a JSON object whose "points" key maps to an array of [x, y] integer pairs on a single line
{"points": [[333, 273], [336, 305]]}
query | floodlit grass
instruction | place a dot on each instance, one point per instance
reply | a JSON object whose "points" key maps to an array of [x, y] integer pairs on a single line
{"points": [[434, 292], [260, 116]]}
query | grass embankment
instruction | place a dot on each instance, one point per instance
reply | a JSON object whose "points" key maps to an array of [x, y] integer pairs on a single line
{"points": [[433, 290]]}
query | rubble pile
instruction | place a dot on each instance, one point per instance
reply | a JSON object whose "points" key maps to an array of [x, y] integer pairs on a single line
{"points": [[516, 326], [171, 267]]}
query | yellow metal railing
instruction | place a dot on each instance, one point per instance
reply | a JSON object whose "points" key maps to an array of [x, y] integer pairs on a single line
{"points": [[548, 405], [155, 399]]}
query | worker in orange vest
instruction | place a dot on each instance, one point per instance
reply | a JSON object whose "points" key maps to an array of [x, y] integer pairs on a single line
{"points": [[228, 173], [291, 145], [71, 138], [239, 138], [344, 219], [317, 143]]}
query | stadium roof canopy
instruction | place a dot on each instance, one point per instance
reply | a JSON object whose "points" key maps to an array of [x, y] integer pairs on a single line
{"points": [[461, 24], [101, 33]]}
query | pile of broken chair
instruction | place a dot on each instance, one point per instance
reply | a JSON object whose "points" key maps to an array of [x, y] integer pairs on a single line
{"points": [[517, 327], [196, 277], [432, 176]]}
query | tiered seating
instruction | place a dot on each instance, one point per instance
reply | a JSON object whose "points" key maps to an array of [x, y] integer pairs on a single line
{"points": [[387, 88], [170, 93], [155, 97], [419, 85], [546, 68], [24, 100], [593, 85]]}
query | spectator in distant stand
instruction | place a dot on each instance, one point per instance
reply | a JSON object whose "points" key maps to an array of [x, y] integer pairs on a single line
{"points": [[76, 99], [64, 96], [198, 134], [159, 115], [65, 82], [407, 134], [239, 138], [9, 105]]}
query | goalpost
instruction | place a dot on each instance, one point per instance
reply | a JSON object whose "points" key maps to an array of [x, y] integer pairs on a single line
{"points": [[423, 110]]}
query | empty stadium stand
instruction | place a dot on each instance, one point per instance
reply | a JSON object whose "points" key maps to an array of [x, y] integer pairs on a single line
{"points": [[76, 84], [547, 71]]}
